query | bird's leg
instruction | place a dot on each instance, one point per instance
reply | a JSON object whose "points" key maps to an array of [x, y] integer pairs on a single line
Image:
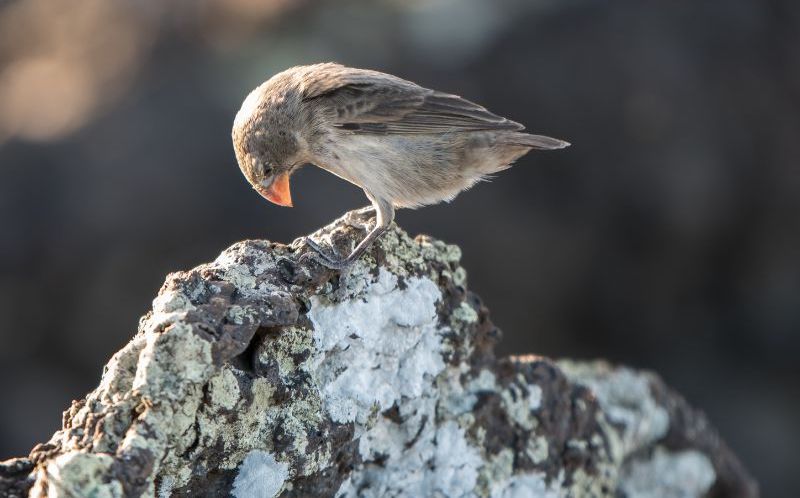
{"points": [[385, 215]]}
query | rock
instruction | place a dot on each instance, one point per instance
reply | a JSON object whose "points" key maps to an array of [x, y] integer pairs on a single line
{"points": [[258, 375]]}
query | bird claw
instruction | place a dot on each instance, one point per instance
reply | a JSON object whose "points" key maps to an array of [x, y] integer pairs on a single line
{"points": [[321, 256], [366, 210], [361, 218], [320, 250]]}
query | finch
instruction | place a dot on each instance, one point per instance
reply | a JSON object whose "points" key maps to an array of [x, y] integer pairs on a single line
{"points": [[405, 145]]}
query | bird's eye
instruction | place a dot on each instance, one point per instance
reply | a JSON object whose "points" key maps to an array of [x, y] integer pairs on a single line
{"points": [[261, 168]]}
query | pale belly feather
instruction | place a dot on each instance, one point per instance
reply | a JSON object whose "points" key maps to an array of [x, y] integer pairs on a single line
{"points": [[409, 170]]}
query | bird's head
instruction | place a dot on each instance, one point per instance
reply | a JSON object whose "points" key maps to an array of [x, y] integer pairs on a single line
{"points": [[267, 148]]}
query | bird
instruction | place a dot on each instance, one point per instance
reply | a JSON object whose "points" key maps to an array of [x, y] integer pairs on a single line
{"points": [[405, 145]]}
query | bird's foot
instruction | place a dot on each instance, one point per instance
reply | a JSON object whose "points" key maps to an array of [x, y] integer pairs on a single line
{"points": [[366, 210], [361, 218], [323, 257]]}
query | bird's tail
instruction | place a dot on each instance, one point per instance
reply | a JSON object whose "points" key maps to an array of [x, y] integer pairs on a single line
{"points": [[539, 142]]}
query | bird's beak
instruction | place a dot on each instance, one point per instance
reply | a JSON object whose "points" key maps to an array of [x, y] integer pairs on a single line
{"points": [[277, 191]]}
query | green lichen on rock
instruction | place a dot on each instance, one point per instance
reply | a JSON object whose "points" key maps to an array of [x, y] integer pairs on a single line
{"points": [[264, 373]]}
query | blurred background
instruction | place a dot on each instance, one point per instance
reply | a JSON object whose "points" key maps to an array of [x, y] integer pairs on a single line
{"points": [[667, 237]]}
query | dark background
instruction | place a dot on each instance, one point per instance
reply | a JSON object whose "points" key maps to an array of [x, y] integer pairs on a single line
{"points": [[667, 237]]}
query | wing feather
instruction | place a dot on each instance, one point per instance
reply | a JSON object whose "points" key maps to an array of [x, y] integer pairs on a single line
{"points": [[364, 101]]}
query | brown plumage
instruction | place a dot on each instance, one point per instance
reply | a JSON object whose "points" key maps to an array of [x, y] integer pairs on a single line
{"points": [[405, 145]]}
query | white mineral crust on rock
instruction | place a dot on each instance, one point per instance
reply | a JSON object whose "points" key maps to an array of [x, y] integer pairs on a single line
{"points": [[377, 347], [260, 476]]}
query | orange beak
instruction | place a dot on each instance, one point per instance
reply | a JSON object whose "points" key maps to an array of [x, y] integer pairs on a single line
{"points": [[278, 192]]}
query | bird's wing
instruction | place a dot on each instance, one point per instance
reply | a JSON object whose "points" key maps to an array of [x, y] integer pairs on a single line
{"points": [[365, 101]]}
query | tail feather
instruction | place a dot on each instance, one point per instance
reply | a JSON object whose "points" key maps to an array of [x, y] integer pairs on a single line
{"points": [[540, 142]]}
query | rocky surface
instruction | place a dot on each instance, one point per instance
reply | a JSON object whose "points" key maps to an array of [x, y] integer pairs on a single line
{"points": [[261, 375]]}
